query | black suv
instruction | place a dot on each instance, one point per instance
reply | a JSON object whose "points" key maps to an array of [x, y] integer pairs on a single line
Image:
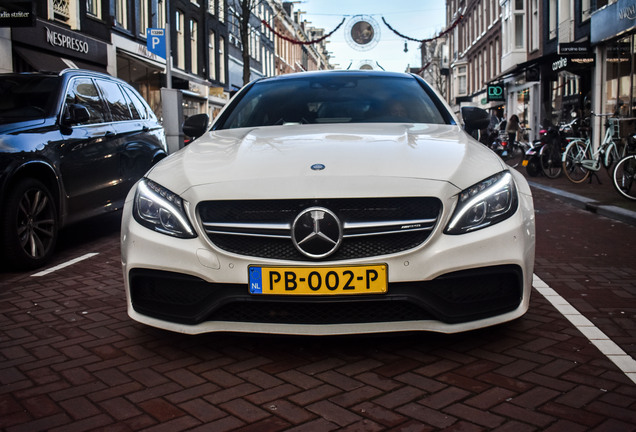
{"points": [[72, 144]]}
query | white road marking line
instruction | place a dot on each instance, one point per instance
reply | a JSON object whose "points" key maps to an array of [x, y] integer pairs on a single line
{"points": [[66, 264], [608, 347]]}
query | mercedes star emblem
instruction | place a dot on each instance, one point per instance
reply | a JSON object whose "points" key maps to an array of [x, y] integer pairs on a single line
{"points": [[317, 232]]}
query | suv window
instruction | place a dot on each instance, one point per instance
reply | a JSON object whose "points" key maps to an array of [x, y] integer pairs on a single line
{"points": [[131, 105], [82, 91], [140, 106], [28, 97], [115, 100]]}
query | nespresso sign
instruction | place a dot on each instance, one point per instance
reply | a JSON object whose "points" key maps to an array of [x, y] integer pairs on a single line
{"points": [[50, 37], [66, 41]]}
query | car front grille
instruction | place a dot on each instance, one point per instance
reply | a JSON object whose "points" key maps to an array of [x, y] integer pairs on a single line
{"points": [[455, 297], [371, 226]]}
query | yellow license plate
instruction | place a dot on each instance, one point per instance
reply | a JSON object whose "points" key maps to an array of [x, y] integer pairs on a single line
{"points": [[367, 279], [525, 162]]}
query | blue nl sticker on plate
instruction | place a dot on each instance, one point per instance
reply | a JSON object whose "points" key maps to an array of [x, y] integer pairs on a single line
{"points": [[256, 280]]}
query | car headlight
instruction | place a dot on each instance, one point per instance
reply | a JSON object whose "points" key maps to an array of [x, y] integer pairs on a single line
{"points": [[484, 204], [158, 209]]}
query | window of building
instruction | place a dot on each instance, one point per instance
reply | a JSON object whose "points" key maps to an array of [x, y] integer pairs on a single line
{"points": [[552, 19], [519, 21], [221, 10], [212, 56], [94, 8], [179, 24], [534, 25], [222, 59], [519, 34], [462, 88], [497, 57], [144, 16], [121, 13], [586, 9], [194, 58], [161, 14]]}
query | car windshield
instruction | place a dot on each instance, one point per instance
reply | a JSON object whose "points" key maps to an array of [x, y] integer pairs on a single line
{"points": [[338, 98], [27, 97]]}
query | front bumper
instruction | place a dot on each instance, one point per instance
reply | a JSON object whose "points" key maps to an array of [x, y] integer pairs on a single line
{"points": [[453, 298]]}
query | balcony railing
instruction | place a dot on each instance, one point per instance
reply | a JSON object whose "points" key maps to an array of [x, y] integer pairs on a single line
{"points": [[61, 9]]}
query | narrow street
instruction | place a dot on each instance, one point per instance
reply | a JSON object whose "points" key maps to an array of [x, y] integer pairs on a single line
{"points": [[71, 359]]}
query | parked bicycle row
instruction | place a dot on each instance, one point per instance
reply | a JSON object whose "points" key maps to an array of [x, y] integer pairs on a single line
{"points": [[567, 150]]}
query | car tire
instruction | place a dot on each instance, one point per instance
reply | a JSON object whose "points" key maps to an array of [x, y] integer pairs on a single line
{"points": [[29, 225]]}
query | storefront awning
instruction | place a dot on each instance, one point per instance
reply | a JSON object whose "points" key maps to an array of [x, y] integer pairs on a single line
{"points": [[44, 62]]}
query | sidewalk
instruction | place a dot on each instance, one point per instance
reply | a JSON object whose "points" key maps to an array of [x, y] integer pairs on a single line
{"points": [[597, 194]]}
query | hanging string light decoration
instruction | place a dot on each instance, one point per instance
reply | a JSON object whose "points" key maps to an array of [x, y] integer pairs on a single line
{"points": [[299, 42], [448, 30]]}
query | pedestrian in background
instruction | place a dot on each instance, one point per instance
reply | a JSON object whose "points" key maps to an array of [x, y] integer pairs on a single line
{"points": [[512, 128]]}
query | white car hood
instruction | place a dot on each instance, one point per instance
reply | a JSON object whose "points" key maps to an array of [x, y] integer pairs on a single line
{"points": [[266, 159]]}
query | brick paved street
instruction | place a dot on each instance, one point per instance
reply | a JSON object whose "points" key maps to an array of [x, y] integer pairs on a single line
{"points": [[71, 359]]}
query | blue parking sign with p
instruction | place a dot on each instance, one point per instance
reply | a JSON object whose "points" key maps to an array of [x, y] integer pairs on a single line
{"points": [[156, 41]]}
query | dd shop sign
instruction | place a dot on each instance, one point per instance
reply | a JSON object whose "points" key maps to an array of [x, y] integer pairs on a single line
{"points": [[495, 93]]}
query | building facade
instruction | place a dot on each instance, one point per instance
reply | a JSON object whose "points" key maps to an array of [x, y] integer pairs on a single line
{"points": [[545, 60], [475, 52]]}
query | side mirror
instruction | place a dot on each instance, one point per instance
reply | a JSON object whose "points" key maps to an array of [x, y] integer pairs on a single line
{"points": [[76, 114], [196, 125], [475, 119]]}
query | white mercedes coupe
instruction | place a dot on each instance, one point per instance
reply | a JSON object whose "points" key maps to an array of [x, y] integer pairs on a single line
{"points": [[326, 203]]}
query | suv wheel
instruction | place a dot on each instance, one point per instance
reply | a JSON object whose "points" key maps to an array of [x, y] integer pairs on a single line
{"points": [[29, 225]]}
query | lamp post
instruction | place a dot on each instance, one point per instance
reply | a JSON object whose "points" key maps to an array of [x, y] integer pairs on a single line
{"points": [[168, 48]]}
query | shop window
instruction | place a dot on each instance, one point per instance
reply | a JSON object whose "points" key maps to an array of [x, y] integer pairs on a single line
{"points": [[619, 77], [94, 8]]}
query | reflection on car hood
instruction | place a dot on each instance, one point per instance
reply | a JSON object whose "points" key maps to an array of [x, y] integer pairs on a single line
{"points": [[348, 152]]}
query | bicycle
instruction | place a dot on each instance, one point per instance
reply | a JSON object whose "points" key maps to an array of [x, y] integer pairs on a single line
{"points": [[624, 174], [579, 159], [555, 140]]}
